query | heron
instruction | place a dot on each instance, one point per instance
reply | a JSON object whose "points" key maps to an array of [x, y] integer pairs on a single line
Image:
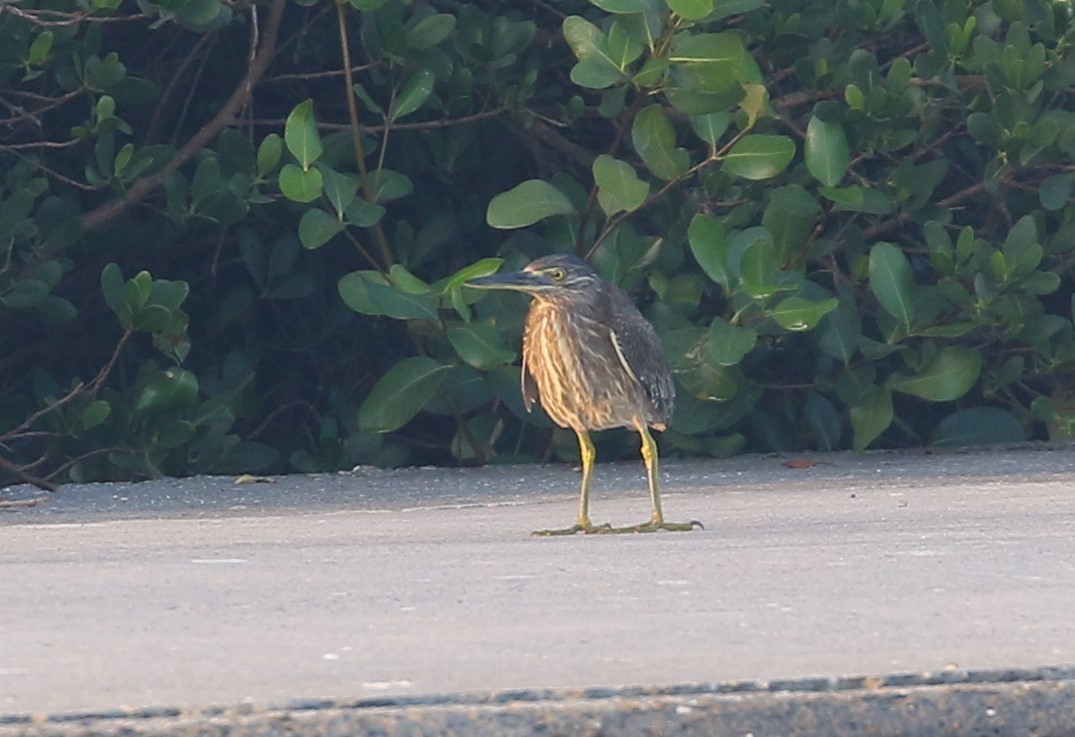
{"points": [[594, 363]]}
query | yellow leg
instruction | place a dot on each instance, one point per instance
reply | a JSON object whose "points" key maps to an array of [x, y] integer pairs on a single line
{"points": [[583, 523], [656, 522]]}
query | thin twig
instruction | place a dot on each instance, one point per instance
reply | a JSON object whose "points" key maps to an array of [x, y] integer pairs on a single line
{"points": [[18, 503], [177, 77], [277, 412], [413, 126], [78, 459], [29, 421], [19, 473], [95, 385], [327, 74], [368, 188]]}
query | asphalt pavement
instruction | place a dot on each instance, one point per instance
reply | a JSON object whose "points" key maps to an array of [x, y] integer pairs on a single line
{"points": [[901, 591]]}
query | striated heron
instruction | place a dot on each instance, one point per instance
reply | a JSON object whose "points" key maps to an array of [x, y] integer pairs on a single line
{"points": [[596, 364]]}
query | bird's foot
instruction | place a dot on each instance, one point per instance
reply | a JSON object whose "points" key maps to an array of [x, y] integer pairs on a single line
{"points": [[584, 526], [654, 525]]}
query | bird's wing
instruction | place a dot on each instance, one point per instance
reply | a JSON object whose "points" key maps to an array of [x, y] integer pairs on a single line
{"points": [[642, 355], [529, 386]]}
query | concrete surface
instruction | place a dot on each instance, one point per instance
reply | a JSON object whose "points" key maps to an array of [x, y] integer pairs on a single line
{"points": [[376, 590]]}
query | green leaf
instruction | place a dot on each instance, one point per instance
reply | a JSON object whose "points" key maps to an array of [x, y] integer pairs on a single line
{"points": [[755, 102], [595, 73], [430, 31], [858, 199], [481, 267], [937, 238], [725, 8], [892, 282], [950, 375], [791, 218], [112, 286], [688, 100], [707, 64], [317, 227], [369, 293], [106, 107], [759, 156], [691, 9], [1055, 191], [167, 390], [401, 393], [459, 303], [759, 271], [123, 158], [298, 185], [413, 95], [652, 73], [367, 99], [363, 214], [800, 315], [169, 294], [405, 280], [527, 203], [709, 53], [985, 129], [1023, 235], [1041, 282], [728, 344], [655, 141], [137, 290], [854, 98], [269, 152], [173, 433], [708, 240], [624, 47], [206, 180], [24, 294], [301, 136], [95, 413], [624, 6], [597, 67], [199, 15], [711, 126], [826, 151], [151, 319], [871, 416], [55, 310], [391, 185], [101, 74], [824, 419], [839, 332], [979, 426], [618, 187], [40, 48], [682, 292], [585, 39], [480, 345], [340, 189]]}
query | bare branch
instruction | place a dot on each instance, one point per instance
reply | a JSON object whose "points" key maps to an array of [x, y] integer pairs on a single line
{"points": [[27, 478]]}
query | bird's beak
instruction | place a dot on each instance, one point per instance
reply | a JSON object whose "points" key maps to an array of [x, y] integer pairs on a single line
{"points": [[519, 281]]}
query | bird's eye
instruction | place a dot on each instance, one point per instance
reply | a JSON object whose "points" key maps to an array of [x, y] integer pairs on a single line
{"points": [[557, 274]]}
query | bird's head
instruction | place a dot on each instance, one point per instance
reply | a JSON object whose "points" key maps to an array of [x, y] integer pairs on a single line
{"points": [[552, 277]]}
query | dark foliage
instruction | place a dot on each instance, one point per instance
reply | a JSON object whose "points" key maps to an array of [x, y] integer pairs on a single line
{"points": [[233, 236]]}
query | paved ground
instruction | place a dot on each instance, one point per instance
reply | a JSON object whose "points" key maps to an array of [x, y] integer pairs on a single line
{"points": [[375, 585]]}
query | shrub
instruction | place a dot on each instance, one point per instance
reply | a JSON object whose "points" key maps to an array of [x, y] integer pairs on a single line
{"points": [[850, 223]]}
